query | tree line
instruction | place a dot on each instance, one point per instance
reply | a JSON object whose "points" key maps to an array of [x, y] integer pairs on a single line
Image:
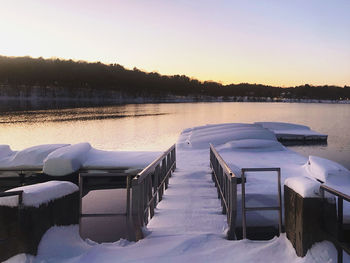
{"points": [[16, 71]]}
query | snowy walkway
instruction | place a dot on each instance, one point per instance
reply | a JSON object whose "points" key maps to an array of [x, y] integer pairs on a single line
{"points": [[188, 227]]}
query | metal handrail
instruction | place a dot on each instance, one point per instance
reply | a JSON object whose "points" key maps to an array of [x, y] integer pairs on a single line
{"points": [[221, 161], [341, 197], [147, 189], [100, 175], [264, 208], [335, 192], [226, 182], [13, 169], [151, 167]]}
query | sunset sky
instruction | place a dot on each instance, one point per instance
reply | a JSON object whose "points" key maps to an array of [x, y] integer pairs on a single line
{"points": [[283, 43]]}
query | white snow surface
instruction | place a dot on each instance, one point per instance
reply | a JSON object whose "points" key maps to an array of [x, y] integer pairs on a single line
{"points": [[200, 137], [188, 225], [66, 160], [32, 157], [5, 151], [292, 131], [324, 169], [38, 194], [304, 186], [63, 159], [98, 159]]}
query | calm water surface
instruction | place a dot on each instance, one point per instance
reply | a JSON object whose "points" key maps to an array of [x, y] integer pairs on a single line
{"points": [[157, 126]]}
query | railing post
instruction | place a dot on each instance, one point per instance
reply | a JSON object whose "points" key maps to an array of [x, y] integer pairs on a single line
{"points": [[168, 165], [156, 184], [244, 226], [135, 210], [279, 202], [231, 235], [80, 194], [128, 186], [340, 219], [226, 185], [224, 192], [145, 208], [174, 158], [340, 229], [150, 194]]}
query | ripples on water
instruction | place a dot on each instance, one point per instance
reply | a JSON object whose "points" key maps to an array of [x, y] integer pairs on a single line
{"points": [[157, 126]]}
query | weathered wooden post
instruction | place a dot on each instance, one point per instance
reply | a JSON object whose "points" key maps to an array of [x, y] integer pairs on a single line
{"points": [[22, 226], [305, 211]]}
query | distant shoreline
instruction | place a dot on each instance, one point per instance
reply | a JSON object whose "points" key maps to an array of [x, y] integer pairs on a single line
{"points": [[22, 103]]}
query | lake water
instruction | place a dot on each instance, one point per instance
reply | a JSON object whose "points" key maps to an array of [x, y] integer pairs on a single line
{"points": [[157, 126]]}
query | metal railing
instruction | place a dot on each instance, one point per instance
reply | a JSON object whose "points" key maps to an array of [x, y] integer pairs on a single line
{"points": [[339, 239], [245, 209], [99, 175], [143, 190], [148, 188], [20, 177], [226, 183]]}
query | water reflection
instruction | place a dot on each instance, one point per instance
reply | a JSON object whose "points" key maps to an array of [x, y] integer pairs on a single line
{"points": [[104, 216], [79, 114], [157, 126]]}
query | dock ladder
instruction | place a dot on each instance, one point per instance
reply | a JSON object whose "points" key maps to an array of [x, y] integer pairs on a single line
{"points": [[245, 209]]}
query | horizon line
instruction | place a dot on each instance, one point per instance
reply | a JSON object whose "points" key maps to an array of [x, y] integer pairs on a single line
{"points": [[168, 75]]}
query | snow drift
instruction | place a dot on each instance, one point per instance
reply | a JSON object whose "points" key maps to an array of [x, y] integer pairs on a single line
{"points": [[66, 160], [32, 157], [37, 194]]}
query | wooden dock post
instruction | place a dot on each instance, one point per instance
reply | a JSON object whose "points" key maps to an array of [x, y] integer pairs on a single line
{"points": [[306, 219]]}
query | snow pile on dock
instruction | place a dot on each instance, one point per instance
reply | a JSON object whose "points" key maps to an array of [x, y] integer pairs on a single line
{"points": [[216, 134], [331, 174], [290, 131], [188, 225], [37, 194], [324, 169], [304, 186], [98, 159], [64, 159], [5, 151], [30, 158]]}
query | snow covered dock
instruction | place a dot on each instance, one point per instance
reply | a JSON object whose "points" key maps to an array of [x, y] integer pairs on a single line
{"points": [[188, 224], [64, 159], [292, 132]]}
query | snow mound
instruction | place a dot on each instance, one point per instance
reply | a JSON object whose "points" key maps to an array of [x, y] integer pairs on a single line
{"points": [[37, 194], [32, 157], [282, 126], [99, 159], [252, 145], [290, 131], [304, 186], [66, 160], [5, 151], [323, 169], [200, 137]]}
